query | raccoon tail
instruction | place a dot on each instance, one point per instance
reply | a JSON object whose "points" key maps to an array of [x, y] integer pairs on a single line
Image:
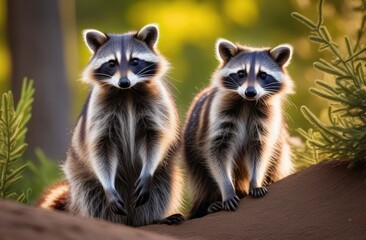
{"points": [[55, 197]]}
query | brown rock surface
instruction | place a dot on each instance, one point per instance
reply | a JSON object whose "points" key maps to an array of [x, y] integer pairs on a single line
{"points": [[18, 222], [327, 201]]}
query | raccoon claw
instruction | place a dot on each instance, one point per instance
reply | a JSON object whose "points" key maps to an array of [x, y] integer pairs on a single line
{"points": [[231, 204], [174, 219], [228, 205], [215, 207], [258, 192], [141, 193], [115, 202]]}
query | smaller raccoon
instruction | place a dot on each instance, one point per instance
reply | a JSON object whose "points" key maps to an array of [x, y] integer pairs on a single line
{"points": [[122, 165], [235, 137]]}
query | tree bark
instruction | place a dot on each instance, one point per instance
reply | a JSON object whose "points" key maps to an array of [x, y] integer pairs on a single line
{"points": [[37, 52]]}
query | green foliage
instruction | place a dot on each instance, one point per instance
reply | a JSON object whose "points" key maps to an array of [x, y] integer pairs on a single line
{"points": [[12, 134], [343, 135], [42, 174]]}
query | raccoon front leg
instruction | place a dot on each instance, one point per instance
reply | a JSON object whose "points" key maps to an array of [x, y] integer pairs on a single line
{"points": [[152, 150], [142, 188], [221, 170], [257, 164], [221, 163], [105, 164]]}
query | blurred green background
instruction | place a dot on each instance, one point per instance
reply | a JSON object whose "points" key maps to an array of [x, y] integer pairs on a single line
{"points": [[188, 31]]}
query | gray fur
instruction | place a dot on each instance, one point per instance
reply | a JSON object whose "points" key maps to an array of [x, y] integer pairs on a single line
{"points": [[234, 145], [122, 163]]}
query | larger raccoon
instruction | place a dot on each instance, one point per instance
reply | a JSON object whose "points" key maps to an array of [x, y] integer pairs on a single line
{"points": [[121, 165], [235, 138]]}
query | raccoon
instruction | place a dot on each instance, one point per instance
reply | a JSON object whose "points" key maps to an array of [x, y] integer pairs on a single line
{"points": [[235, 137], [121, 165]]}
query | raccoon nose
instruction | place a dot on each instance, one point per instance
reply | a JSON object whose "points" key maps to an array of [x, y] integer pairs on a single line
{"points": [[250, 92], [124, 82]]}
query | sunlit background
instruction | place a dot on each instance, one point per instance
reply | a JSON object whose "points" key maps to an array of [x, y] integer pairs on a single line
{"points": [[188, 31]]}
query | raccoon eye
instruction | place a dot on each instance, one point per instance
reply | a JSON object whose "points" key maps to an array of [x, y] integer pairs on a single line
{"points": [[112, 63], [241, 73], [134, 62], [262, 75]]}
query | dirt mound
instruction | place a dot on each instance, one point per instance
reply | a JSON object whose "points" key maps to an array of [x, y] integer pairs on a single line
{"points": [[20, 222], [326, 201]]}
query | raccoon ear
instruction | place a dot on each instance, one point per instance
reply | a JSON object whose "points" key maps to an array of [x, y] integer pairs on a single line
{"points": [[149, 35], [225, 50], [94, 39], [282, 54]]}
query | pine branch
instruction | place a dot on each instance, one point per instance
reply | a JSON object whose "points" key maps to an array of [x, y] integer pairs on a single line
{"points": [[24, 106], [344, 137], [12, 134]]}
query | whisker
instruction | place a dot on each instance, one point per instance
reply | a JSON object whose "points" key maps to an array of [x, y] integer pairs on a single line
{"points": [[170, 77], [176, 88], [146, 72], [146, 75], [145, 68], [103, 74], [232, 84], [272, 85], [176, 80], [271, 89], [234, 81]]}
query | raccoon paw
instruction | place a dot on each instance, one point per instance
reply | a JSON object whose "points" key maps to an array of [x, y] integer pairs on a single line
{"points": [[141, 194], [231, 204], [174, 219], [115, 202], [258, 192], [215, 207]]}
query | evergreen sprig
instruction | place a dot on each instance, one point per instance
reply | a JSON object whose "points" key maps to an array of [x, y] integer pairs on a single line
{"points": [[12, 146], [343, 136]]}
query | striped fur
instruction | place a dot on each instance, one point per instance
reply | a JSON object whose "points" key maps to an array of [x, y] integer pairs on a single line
{"points": [[122, 163], [234, 144], [55, 197]]}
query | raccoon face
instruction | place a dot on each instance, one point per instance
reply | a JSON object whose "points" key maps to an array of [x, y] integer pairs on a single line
{"points": [[123, 60], [253, 73]]}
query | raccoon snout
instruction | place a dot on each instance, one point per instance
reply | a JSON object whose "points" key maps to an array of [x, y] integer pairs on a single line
{"points": [[124, 82], [250, 92]]}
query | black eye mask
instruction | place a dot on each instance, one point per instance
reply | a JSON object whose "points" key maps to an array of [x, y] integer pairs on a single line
{"points": [[143, 68], [106, 70], [268, 82], [234, 80], [137, 66]]}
